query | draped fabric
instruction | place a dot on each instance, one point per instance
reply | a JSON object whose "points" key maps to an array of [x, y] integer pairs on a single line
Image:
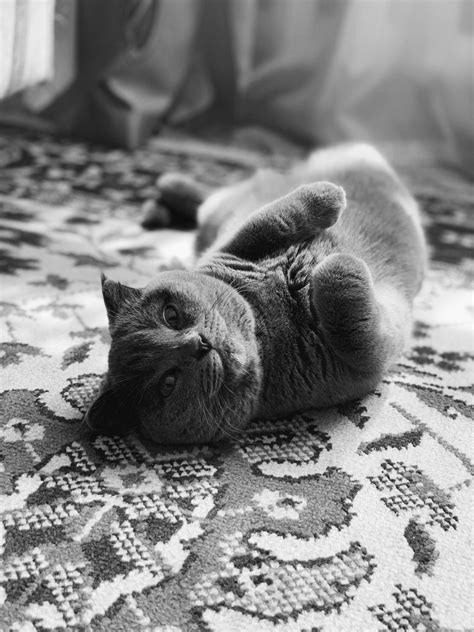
{"points": [[386, 70], [26, 43], [319, 71]]}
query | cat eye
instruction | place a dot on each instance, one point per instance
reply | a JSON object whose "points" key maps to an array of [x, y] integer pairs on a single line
{"points": [[171, 316], [167, 382]]}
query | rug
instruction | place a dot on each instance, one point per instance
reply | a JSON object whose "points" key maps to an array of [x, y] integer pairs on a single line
{"points": [[352, 518]]}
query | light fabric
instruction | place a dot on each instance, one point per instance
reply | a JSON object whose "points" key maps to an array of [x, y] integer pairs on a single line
{"points": [[318, 70], [385, 70], [26, 43]]}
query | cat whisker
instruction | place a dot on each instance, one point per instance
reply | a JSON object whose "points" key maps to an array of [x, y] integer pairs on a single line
{"points": [[224, 426], [227, 388], [122, 381], [228, 431], [205, 411]]}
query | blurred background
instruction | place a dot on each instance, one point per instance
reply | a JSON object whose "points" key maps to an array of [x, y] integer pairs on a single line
{"points": [[311, 71]]}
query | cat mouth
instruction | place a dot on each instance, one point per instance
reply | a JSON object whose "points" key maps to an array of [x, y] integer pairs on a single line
{"points": [[239, 360], [235, 362], [213, 376], [223, 366]]}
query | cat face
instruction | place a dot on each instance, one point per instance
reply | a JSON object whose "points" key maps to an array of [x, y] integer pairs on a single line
{"points": [[183, 363]]}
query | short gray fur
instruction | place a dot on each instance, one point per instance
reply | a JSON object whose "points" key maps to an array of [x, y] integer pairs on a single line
{"points": [[302, 289]]}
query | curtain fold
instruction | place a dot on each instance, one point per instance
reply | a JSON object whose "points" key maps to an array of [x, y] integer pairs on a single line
{"points": [[320, 71], [26, 43], [381, 71]]}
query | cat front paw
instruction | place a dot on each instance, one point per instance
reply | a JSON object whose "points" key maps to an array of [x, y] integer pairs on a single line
{"points": [[323, 203]]}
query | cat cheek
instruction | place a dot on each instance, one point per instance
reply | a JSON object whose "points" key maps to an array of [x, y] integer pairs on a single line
{"points": [[105, 415]]}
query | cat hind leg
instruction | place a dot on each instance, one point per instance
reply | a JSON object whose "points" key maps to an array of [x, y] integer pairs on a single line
{"points": [[365, 326], [181, 194]]}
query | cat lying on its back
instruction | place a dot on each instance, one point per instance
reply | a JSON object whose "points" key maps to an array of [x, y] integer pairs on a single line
{"points": [[302, 299]]}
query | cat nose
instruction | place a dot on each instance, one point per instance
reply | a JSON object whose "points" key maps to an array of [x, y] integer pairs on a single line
{"points": [[195, 346], [203, 346]]}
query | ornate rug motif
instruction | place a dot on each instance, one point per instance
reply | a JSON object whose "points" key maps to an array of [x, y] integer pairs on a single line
{"points": [[355, 518]]}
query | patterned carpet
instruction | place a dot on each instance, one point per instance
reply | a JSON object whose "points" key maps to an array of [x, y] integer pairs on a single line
{"points": [[356, 518]]}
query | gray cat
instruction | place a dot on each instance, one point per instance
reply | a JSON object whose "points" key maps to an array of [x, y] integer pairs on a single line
{"points": [[302, 298]]}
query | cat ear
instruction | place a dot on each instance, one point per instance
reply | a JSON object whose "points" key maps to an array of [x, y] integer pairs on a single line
{"points": [[106, 415], [116, 296]]}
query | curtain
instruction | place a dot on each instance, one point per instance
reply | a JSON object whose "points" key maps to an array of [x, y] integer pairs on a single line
{"points": [[327, 70], [381, 70], [26, 43], [319, 71]]}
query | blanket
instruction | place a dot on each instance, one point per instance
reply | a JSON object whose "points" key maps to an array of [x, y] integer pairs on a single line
{"points": [[350, 518]]}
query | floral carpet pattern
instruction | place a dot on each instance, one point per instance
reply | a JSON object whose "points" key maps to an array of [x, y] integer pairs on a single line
{"points": [[355, 518]]}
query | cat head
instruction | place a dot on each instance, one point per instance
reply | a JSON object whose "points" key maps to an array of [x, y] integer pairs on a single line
{"points": [[183, 362]]}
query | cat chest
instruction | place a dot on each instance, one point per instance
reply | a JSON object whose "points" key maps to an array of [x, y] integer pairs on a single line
{"points": [[279, 293], [294, 356], [294, 359], [292, 349]]}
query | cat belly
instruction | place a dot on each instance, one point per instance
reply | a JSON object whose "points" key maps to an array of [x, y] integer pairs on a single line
{"points": [[300, 371], [294, 384], [300, 368]]}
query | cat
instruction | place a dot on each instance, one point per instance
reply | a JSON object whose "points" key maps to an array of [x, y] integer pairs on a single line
{"points": [[301, 297]]}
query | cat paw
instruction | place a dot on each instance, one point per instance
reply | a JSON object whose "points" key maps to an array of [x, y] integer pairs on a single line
{"points": [[323, 202], [357, 326], [181, 193], [342, 277], [344, 299]]}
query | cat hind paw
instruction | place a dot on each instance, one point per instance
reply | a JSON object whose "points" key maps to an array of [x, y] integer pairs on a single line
{"points": [[181, 193]]}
